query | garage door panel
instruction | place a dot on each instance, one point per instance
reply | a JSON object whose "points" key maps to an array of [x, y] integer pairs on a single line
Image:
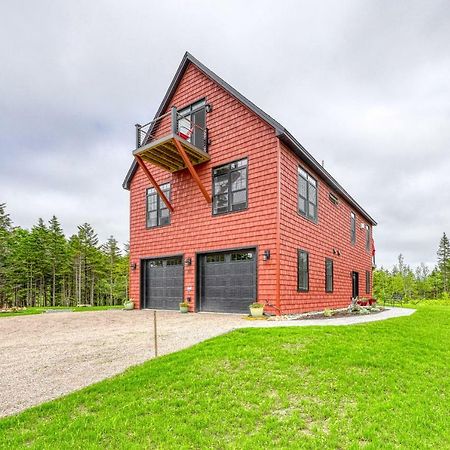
{"points": [[228, 281], [163, 283]]}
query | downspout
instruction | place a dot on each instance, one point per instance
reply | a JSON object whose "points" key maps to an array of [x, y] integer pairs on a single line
{"points": [[278, 232]]}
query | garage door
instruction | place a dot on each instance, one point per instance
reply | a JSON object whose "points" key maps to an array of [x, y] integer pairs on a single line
{"points": [[227, 281], [162, 283]]}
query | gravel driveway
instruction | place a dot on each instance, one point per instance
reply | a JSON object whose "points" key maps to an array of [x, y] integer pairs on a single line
{"points": [[48, 355]]}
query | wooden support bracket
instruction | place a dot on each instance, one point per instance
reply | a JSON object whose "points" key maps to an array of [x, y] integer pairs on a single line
{"points": [[142, 165], [191, 169]]}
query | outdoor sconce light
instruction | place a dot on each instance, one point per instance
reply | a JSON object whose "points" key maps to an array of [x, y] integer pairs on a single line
{"points": [[188, 261], [266, 255], [334, 251], [133, 266], [339, 253], [208, 108]]}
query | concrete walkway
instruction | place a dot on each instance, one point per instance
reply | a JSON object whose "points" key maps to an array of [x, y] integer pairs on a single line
{"points": [[389, 313], [45, 356]]}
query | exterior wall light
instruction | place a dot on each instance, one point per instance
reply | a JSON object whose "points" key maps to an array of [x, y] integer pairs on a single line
{"points": [[133, 266], [266, 255], [208, 107], [188, 261]]}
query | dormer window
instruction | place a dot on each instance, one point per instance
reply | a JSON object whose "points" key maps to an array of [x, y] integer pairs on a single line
{"points": [[192, 124]]}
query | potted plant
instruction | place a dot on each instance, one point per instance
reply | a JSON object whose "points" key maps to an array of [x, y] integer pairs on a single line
{"points": [[256, 309], [184, 307], [128, 304]]}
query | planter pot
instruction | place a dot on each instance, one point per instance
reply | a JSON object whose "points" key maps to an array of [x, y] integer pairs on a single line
{"points": [[184, 309], [256, 312], [128, 305]]}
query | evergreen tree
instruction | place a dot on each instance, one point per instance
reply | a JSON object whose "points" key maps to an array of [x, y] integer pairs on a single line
{"points": [[90, 262], [57, 248], [5, 231], [112, 252], [443, 258]]}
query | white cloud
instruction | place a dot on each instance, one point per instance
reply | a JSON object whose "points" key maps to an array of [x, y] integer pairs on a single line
{"points": [[363, 85]]}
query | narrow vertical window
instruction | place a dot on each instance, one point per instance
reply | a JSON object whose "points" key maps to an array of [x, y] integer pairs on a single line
{"points": [[367, 282], [157, 212], [328, 275], [368, 238], [303, 271], [307, 195], [353, 228]]}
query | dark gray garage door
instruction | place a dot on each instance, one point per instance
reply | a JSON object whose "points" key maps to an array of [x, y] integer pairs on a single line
{"points": [[227, 281], [162, 283]]}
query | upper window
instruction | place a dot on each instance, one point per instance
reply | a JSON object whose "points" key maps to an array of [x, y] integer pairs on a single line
{"points": [[192, 124], [352, 228], [328, 275], [230, 187], [307, 195], [368, 238], [303, 271], [157, 211]]}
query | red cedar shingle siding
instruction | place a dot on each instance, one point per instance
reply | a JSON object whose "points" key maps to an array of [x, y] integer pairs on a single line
{"points": [[236, 132], [332, 231]]}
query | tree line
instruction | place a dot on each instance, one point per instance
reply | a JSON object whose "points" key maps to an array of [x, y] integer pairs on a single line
{"points": [[42, 267], [415, 284]]}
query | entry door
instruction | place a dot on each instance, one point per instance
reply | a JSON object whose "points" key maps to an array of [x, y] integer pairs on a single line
{"points": [[355, 284]]}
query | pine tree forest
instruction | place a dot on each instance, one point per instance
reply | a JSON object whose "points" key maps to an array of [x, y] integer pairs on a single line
{"points": [[42, 267]]}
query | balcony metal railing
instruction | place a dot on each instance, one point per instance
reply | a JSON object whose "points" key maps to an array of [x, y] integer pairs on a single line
{"points": [[174, 123]]}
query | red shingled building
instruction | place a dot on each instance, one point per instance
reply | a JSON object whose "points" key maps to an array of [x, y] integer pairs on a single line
{"points": [[227, 207]]}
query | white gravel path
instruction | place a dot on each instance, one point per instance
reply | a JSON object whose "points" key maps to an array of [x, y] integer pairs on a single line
{"points": [[48, 355]]}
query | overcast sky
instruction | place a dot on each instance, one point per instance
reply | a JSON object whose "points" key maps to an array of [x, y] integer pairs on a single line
{"points": [[363, 85]]}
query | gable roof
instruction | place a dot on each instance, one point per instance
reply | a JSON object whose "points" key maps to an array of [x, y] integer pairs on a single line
{"points": [[282, 133]]}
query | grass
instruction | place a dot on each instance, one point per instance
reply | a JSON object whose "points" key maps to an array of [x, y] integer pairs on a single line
{"points": [[378, 385], [40, 310]]}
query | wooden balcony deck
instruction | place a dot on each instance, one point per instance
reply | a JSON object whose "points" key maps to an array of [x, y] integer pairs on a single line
{"points": [[163, 153]]}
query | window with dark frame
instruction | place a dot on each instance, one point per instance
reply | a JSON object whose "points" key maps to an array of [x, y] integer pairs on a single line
{"points": [[368, 238], [230, 187], [157, 212], [328, 275], [367, 282], [303, 271], [353, 228], [192, 124], [307, 195]]}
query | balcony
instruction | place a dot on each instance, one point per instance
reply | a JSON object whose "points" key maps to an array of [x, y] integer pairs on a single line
{"points": [[174, 141], [158, 142]]}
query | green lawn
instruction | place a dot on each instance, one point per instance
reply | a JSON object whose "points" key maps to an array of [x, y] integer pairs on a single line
{"points": [[40, 310], [378, 385]]}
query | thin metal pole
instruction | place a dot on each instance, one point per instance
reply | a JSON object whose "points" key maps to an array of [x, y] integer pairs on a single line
{"points": [[155, 333]]}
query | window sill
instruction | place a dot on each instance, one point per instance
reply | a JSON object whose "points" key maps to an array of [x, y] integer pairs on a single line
{"points": [[314, 221], [158, 226], [230, 212]]}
